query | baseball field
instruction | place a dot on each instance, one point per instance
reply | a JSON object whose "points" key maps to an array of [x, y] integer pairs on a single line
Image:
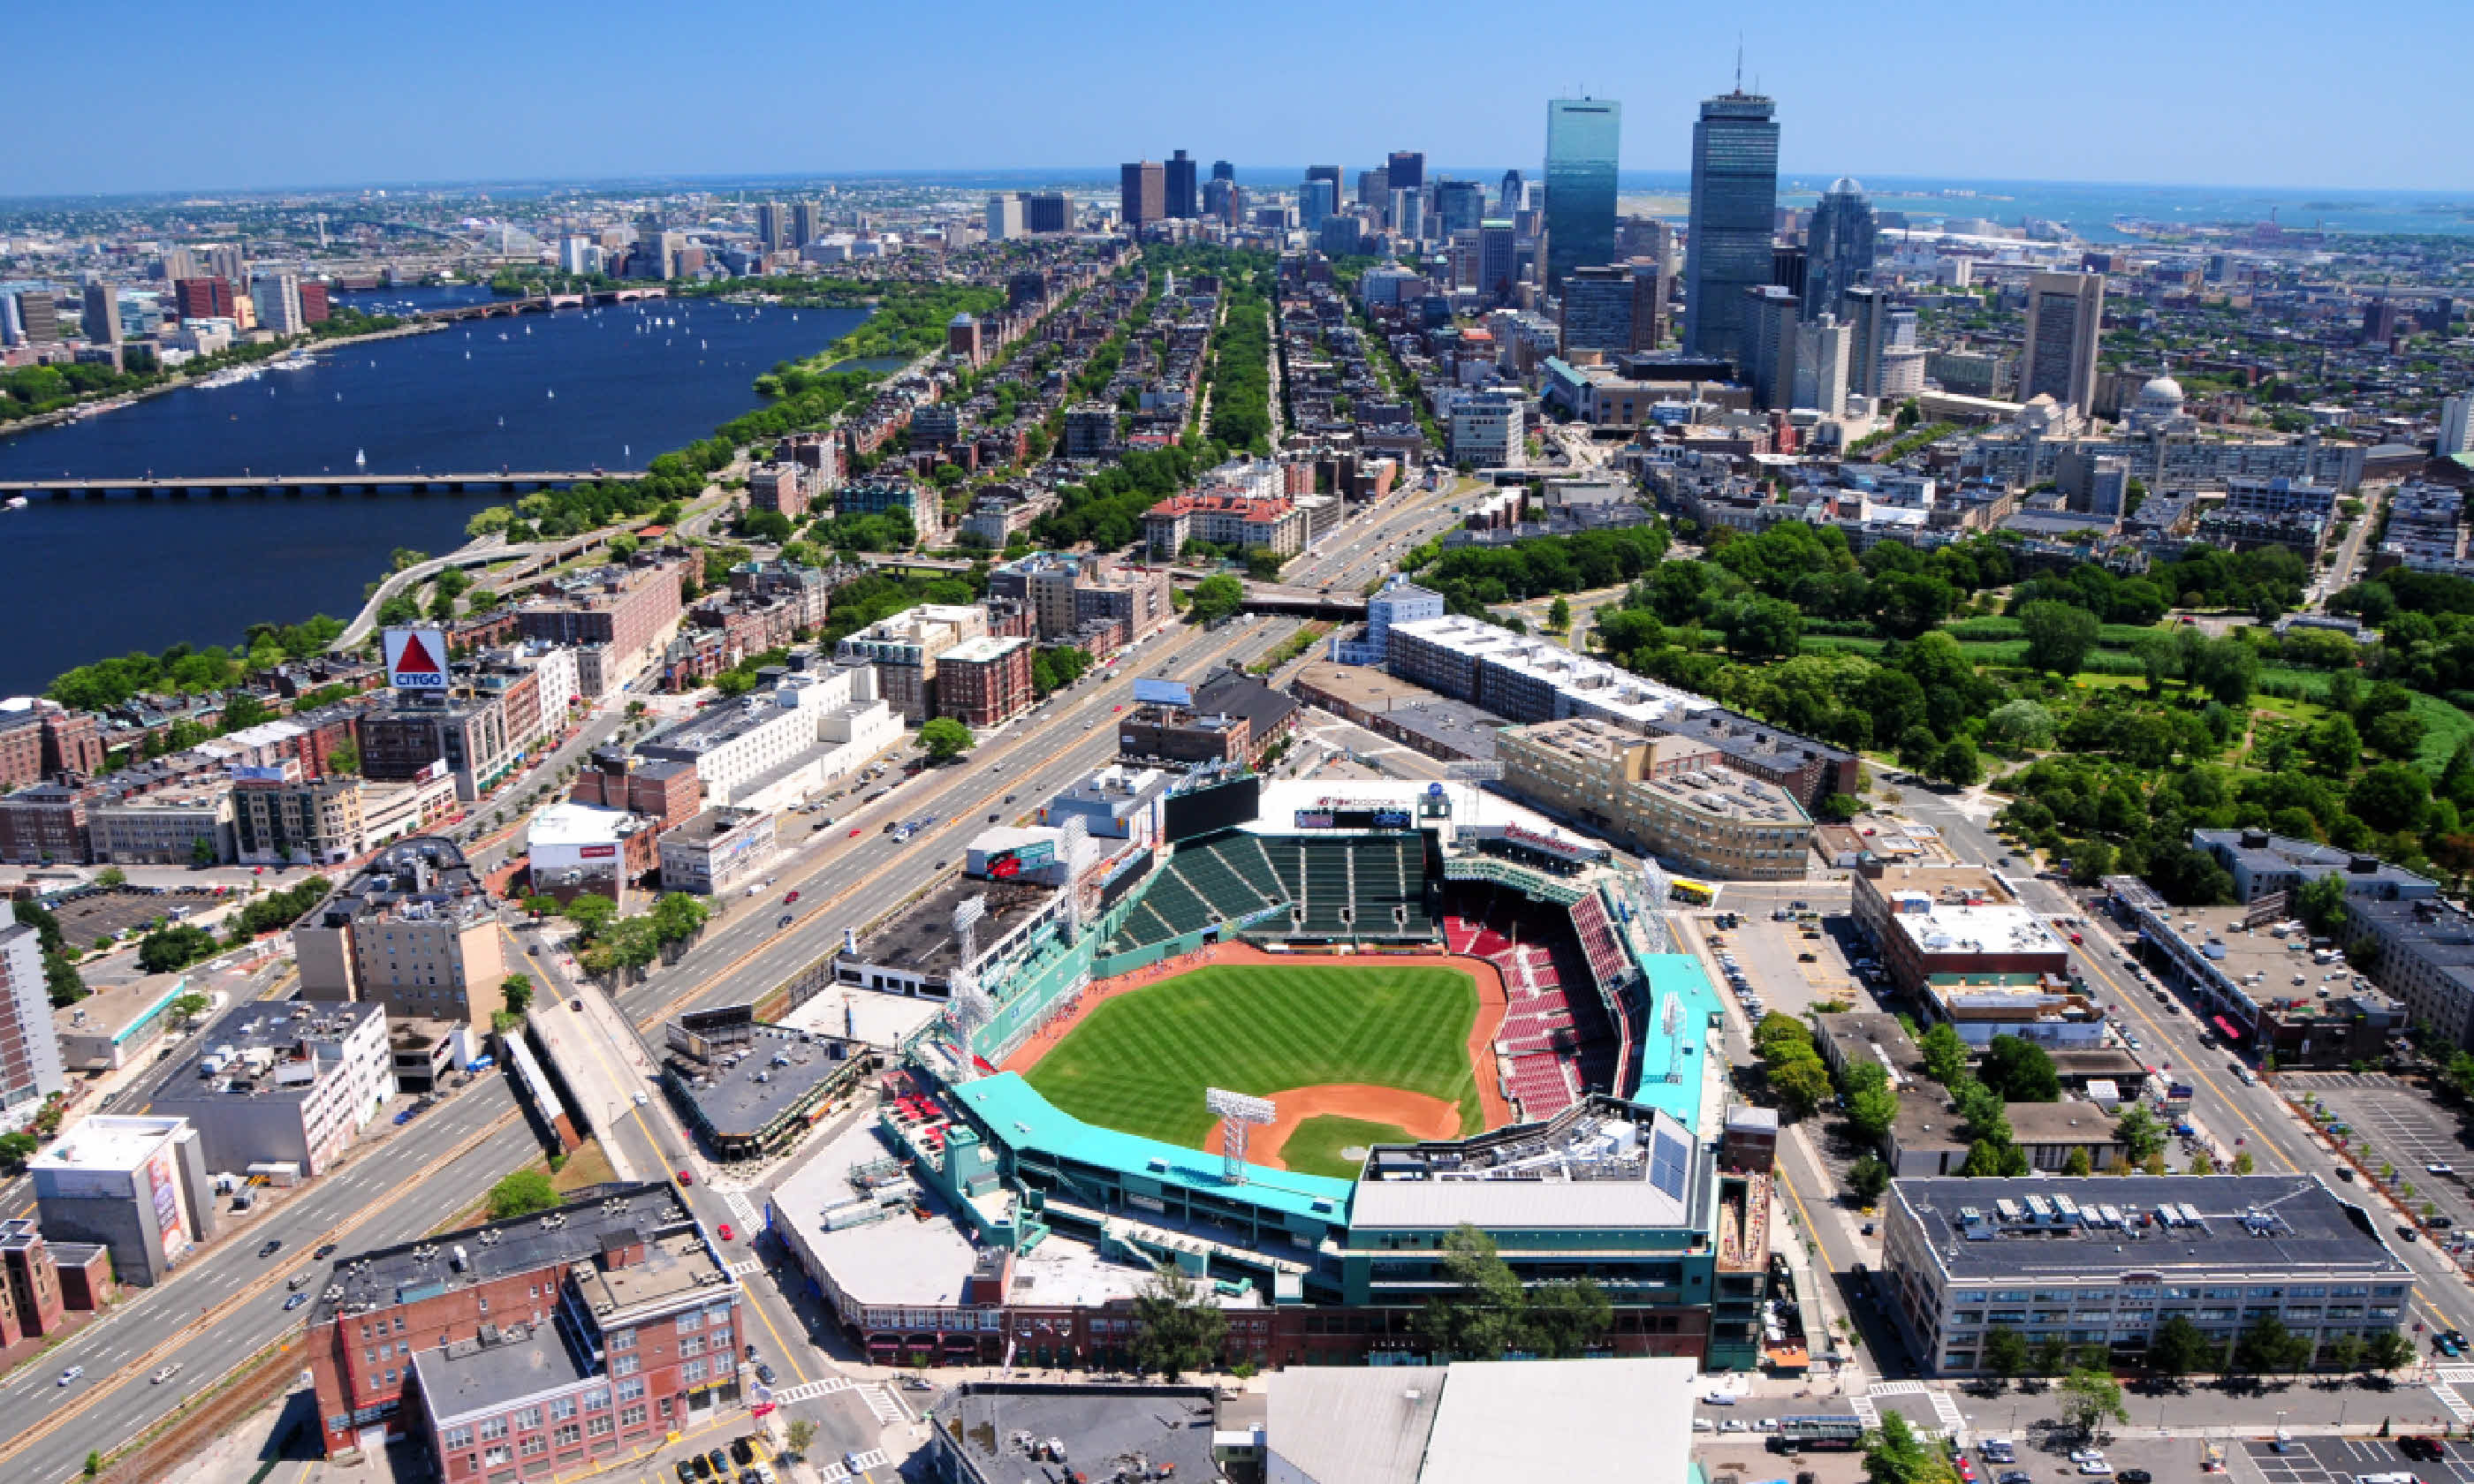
{"points": [[1391, 1045]]}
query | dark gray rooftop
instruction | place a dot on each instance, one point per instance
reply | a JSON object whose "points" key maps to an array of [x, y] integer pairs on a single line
{"points": [[471, 1376], [921, 938], [1169, 1426], [791, 1063], [425, 868], [2289, 1223], [384, 1277]]}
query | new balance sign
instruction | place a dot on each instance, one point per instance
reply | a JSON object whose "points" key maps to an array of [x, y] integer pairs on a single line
{"points": [[416, 658]]}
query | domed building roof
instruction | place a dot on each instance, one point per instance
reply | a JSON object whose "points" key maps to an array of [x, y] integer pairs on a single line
{"points": [[2161, 394], [1846, 186]]}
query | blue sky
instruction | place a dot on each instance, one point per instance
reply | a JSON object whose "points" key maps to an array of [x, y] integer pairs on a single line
{"points": [[128, 95]]}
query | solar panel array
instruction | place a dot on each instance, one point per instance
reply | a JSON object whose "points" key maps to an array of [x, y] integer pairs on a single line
{"points": [[1668, 1158]]}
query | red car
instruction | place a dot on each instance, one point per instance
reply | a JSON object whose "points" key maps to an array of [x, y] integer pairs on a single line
{"points": [[724, 1229], [687, 1177], [786, 900], [854, 834]]}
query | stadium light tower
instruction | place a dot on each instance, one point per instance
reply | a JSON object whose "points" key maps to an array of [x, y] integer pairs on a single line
{"points": [[1236, 1112]]}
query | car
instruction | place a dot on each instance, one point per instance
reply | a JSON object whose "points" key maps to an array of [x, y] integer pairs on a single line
{"points": [[1965, 1470], [2422, 1448], [1734, 1425], [1996, 1451], [794, 897], [1704, 1425], [2096, 1466], [2080, 1455], [1009, 797], [269, 1247], [741, 1451], [720, 1463], [403, 1117], [167, 1372], [70, 1374], [2442, 1170], [703, 1469], [2440, 1222], [764, 1374], [1868, 1232], [576, 1004], [784, 921], [854, 834], [917, 1383], [2458, 1335], [1719, 1399], [325, 1249], [2407, 1233], [992, 819], [2014, 1477], [687, 1177], [724, 1229], [295, 1302], [2136, 1476], [687, 1472]]}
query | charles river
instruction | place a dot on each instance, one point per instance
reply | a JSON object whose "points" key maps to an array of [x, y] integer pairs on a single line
{"points": [[574, 389]]}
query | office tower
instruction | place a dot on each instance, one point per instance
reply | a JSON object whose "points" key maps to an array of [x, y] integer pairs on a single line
{"points": [[2455, 425], [1649, 285], [101, 316], [1582, 139], [227, 263], [1597, 310], [1821, 366], [1513, 196], [2057, 357], [39, 319], [203, 299], [578, 254], [1458, 206], [1223, 170], [277, 296], [1766, 338], [1407, 170], [1004, 216], [1142, 192], [1409, 214], [772, 225], [30, 1052], [175, 264], [1048, 211], [1734, 189], [11, 333], [806, 223], [316, 306], [1331, 173], [1643, 236], [1220, 199], [1180, 198], [1499, 259], [1318, 197], [1839, 245], [1865, 312], [1788, 266], [1375, 188], [1339, 236]]}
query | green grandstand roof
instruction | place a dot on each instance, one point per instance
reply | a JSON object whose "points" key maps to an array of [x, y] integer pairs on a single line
{"points": [[1681, 975], [1021, 1118]]}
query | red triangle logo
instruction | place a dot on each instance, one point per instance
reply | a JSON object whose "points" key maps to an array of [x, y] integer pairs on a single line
{"points": [[415, 659]]}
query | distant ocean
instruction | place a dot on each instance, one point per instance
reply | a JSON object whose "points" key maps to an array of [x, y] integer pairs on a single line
{"points": [[2087, 207]]}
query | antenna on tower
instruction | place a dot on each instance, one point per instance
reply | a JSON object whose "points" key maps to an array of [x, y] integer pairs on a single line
{"points": [[1739, 61]]}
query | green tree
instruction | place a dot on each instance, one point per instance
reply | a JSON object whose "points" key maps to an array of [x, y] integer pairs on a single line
{"points": [[1870, 1106], [188, 1007], [2005, 1351], [2321, 904], [2020, 1072], [346, 759], [1800, 1085], [2343, 1355], [2079, 1163], [2267, 1348], [2138, 1131], [1867, 1178], [169, 948], [678, 917], [1177, 1326], [518, 991], [2059, 635], [1481, 1318], [1945, 1053], [2020, 726], [2388, 1351], [1216, 597], [1559, 615], [944, 739], [62, 981], [2242, 1164], [2090, 1399], [591, 913], [799, 1435], [2179, 1348], [1893, 1454], [521, 1194], [112, 878]]}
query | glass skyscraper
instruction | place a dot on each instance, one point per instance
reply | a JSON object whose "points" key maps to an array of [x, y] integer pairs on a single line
{"points": [[1582, 138], [1735, 201], [1838, 247]]}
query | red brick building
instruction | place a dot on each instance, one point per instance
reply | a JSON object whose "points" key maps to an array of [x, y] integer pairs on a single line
{"points": [[45, 823], [315, 308], [626, 608], [984, 682], [663, 789], [204, 299], [519, 1348], [32, 1304]]}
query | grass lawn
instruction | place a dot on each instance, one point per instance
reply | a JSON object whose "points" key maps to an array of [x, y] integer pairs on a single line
{"points": [[1140, 1061], [1315, 1148]]}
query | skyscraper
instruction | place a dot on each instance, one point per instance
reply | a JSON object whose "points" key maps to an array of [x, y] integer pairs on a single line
{"points": [[1582, 139], [1142, 192], [1597, 303], [1331, 173], [807, 224], [772, 225], [1821, 366], [1048, 211], [1222, 170], [2456, 424], [1649, 282], [101, 318], [1838, 246], [2058, 355], [1181, 197], [1406, 169], [276, 297], [1865, 311], [1458, 206], [1375, 188], [1004, 216], [1767, 336], [1498, 258], [1513, 196], [1318, 197], [1734, 191]]}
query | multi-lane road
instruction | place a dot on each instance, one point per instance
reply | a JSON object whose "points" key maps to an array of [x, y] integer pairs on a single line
{"points": [[227, 1304]]}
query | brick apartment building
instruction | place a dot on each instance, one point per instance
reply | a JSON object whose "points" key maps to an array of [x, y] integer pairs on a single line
{"points": [[629, 608], [984, 681], [667, 790], [45, 824], [519, 1349]]}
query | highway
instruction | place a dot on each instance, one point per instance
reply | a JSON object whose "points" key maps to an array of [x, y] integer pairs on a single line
{"points": [[397, 1185]]}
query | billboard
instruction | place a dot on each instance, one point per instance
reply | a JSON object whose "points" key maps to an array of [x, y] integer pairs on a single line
{"points": [[1201, 811], [1344, 814], [597, 851], [1003, 864], [1163, 693], [165, 1189], [416, 658]]}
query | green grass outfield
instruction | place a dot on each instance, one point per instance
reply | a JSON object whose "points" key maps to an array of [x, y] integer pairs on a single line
{"points": [[1315, 1147], [1140, 1061]]}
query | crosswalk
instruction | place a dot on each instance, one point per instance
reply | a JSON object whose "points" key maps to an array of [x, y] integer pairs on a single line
{"points": [[835, 1472], [884, 1403], [2457, 1375], [1945, 1410], [741, 1208], [810, 1391], [744, 1267], [2449, 1399]]}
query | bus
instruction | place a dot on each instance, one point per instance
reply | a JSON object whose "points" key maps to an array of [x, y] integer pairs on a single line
{"points": [[1819, 1433], [1699, 894]]}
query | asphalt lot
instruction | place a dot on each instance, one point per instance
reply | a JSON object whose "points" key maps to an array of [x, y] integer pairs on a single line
{"points": [[2401, 1127], [2339, 1460], [87, 920]]}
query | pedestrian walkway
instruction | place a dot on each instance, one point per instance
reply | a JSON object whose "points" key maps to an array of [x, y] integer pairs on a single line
{"points": [[2449, 1399], [741, 1208], [809, 1391], [1945, 1410], [884, 1403], [835, 1472], [745, 1268]]}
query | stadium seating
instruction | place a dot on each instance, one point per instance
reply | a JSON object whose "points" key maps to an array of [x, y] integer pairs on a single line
{"points": [[1343, 886], [1555, 1040]]}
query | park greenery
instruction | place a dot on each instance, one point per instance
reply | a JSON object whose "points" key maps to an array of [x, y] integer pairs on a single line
{"points": [[521, 1194], [610, 946]]}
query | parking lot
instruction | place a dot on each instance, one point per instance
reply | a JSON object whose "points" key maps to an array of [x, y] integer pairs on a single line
{"points": [[87, 920], [1772, 958], [2341, 1460], [2398, 1125]]}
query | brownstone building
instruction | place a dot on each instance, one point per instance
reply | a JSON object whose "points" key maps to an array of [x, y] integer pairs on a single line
{"points": [[984, 681], [45, 823]]}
